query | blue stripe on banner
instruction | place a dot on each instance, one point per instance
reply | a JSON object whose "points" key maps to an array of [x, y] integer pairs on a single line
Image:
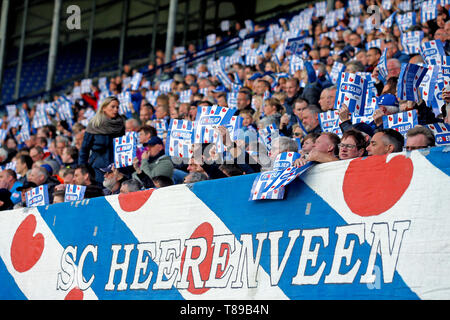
{"points": [[9, 289], [321, 215], [96, 231]]}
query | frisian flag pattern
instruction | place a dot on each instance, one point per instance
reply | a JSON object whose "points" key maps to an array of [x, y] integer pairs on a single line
{"points": [[180, 138], [296, 45], [406, 20], [429, 84], [411, 41], [329, 122], [429, 10], [411, 75], [387, 24], [285, 160], [351, 91], [125, 149], [295, 252], [151, 96], [270, 185], [386, 4], [185, 96], [74, 192], [37, 196], [232, 99], [136, 81], [124, 102], [234, 126], [40, 119], [207, 119], [401, 122], [267, 135], [432, 52], [336, 70], [441, 133], [160, 126]]}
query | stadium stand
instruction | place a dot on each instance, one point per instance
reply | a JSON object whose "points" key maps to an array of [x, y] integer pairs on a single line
{"points": [[294, 59]]}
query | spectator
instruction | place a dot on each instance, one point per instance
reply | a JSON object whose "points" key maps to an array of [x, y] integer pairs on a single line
{"points": [[419, 137], [130, 185], [97, 149], [244, 101], [162, 181], [8, 181], [311, 119], [40, 176], [27, 186], [69, 157], [59, 196], [23, 164], [146, 112], [195, 176], [353, 145], [308, 143], [373, 56], [131, 125], [113, 179], [325, 149], [293, 92], [385, 141], [84, 175], [154, 161], [327, 98]]}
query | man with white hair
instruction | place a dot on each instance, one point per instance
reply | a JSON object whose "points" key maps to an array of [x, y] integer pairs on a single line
{"points": [[131, 125]]}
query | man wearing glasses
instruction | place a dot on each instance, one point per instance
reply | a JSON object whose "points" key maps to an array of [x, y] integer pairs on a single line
{"points": [[419, 137]]}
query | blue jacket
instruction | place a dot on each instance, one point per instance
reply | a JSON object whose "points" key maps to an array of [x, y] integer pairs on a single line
{"points": [[97, 150]]}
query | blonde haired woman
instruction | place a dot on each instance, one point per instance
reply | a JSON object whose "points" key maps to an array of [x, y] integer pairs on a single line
{"points": [[97, 149]]}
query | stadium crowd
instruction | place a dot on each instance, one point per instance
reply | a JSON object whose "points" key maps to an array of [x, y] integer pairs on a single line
{"points": [[270, 90]]}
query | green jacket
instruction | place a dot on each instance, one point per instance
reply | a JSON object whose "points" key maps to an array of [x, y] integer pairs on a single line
{"points": [[162, 166]]}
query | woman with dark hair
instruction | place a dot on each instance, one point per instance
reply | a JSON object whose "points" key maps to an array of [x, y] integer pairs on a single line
{"points": [[97, 149]]}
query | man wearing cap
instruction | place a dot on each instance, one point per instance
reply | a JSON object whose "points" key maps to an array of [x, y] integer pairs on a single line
{"points": [[27, 186], [113, 179], [154, 161]]}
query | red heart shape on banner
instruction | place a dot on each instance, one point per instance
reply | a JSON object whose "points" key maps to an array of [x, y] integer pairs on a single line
{"points": [[26, 249], [205, 230], [371, 186], [133, 201]]}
